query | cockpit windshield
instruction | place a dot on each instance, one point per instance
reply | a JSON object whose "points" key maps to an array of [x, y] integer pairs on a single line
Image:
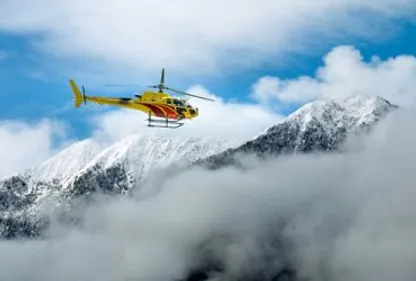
{"points": [[179, 102]]}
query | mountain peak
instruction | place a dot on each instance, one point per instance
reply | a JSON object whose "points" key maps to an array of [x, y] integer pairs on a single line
{"points": [[321, 125], [350, 112], [67, 162], [358, 106]]}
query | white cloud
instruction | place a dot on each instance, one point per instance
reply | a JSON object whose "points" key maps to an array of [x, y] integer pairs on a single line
{"points": [[331, 217], [219, 119], [24, 145], [198, 36], [343, 74]]}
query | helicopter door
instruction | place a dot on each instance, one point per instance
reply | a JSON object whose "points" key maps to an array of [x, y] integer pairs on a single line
{"points": [[179, 107]]}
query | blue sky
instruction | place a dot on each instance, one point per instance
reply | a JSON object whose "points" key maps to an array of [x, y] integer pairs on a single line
{"points": [[30, 97], [34, 74]]}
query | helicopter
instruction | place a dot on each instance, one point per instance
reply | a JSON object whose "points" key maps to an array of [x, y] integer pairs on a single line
{"points": [[163, 107]]}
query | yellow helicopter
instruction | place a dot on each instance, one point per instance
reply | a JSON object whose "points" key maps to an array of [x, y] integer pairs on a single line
{"points": [[158, 104]]}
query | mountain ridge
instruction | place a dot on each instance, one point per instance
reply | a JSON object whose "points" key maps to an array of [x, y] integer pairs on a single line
{"points": [[123, 166], [321, 125], [86, 167]]}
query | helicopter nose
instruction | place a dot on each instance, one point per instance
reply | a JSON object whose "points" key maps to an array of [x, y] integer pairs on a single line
{"points": [[193, 111]]}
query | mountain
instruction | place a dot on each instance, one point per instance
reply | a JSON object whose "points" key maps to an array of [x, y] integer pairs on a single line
{"points": [[129, 162], [21, 194], [41, 180], [321, 126], [67, 163], [86, 168]]}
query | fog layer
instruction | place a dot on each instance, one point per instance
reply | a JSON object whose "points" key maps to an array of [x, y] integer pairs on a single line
{"points": [[330, 217]]}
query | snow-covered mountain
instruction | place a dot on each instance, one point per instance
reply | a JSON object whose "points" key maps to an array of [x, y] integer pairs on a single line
{"points": [[23, 192], [67, 163], [321, 125], [86, 167], [129, 162]]}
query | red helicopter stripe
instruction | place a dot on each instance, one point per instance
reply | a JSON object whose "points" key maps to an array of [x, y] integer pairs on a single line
{"points": [[155, 110], [162, 111], [170, 110]]}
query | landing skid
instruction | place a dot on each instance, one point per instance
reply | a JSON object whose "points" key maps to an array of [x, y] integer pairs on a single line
{"points": [[157, 123]]}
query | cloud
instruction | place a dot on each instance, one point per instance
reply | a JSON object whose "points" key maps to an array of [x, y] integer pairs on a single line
{"points": [[345, 73], [24, 145], [332, 217], [193, 37], [219, 119]]}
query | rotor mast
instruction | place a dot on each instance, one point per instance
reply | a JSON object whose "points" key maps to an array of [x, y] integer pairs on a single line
{"points": [[162, 86]]}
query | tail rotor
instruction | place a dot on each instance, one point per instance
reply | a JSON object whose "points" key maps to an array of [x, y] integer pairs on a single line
{"points": [[83, 94]]}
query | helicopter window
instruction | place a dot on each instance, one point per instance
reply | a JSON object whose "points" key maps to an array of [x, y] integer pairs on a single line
{"points": [[169, 101]]}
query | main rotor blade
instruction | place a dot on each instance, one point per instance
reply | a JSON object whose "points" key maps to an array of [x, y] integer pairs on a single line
{"points": [[183, 93]]}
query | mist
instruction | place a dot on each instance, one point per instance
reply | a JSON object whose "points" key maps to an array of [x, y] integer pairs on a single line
{"points": [[343, 216]]}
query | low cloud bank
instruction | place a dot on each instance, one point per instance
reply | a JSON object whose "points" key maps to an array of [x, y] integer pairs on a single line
{"points": [[331, 217]]}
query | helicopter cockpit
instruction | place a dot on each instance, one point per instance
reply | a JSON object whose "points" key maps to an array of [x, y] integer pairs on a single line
{"points": [[182, 106], [178, 102]]}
